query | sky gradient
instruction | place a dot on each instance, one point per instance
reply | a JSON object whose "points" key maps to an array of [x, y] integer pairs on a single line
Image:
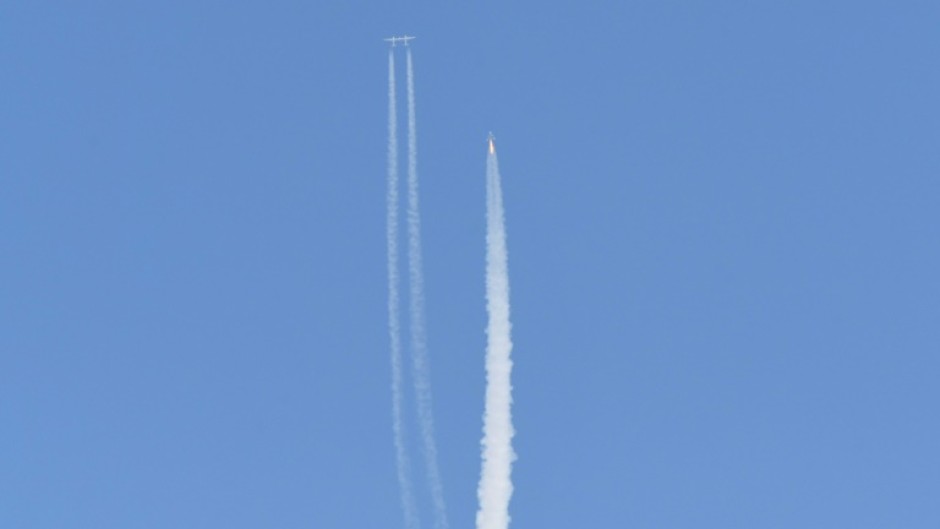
{"points": [[722, 227]]}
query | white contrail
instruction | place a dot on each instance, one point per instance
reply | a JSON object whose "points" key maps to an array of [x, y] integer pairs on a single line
{"points": [[495, 487], [394, 327], [418, 334]]}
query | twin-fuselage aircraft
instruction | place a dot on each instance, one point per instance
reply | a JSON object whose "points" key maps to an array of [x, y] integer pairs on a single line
{"points": [[395, 40]]}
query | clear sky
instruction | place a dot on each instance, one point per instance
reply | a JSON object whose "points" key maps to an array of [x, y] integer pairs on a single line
{"points": [[723, 245]]}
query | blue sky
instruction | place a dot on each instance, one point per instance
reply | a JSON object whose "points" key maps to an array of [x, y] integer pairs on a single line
{"points": [[723, 232]]}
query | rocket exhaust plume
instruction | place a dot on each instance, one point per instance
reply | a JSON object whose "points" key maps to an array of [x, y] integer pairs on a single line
{"points": [[495, 487], [394, 326], [420, 363]]}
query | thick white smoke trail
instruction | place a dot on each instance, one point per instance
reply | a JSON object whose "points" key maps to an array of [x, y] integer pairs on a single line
{"points": [[495, 487], [418, 334], [394, 327]]}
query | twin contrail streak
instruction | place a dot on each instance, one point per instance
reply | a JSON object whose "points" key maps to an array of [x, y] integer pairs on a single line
{"points": [[418, 334], [495, 487], [394, 326]]}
